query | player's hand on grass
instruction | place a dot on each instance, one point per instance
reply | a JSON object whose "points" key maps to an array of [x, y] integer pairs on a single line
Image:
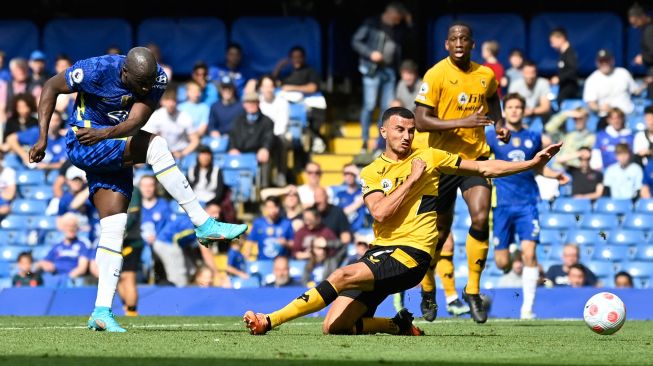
{"points": [[503, 134], [545, 155], [91, 136], [37, 152], [477, 119], [417, 169]]}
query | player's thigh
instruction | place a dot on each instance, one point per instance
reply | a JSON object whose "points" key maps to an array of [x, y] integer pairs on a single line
{"points": [[109, 202], [528, 229], [136, 148], [343, 315], [356, 276], [503, 234], [477, 193]]}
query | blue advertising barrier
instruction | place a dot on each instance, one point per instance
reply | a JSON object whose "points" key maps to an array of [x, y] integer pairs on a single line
{"points": [[554, 303]]}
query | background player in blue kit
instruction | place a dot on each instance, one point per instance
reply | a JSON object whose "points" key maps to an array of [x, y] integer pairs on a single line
{"points": [[116, 96], [517, 198]]}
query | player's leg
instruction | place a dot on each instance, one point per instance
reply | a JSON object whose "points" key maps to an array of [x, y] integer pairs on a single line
{"points": [[112, 209], [476, 192], [151, 149], [528, 229], [445, 271]]}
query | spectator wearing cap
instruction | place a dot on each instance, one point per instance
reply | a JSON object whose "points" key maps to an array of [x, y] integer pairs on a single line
{"points": [[226, 110], [198, 111], [534, 89], [232, 69], [623, 178], [639, 18], [567, 78], [603, 154], [200, 75], [609, 86], [39, 74], [253, 132], [572, 140], [20, 83], [408, 85], [350, 199]]}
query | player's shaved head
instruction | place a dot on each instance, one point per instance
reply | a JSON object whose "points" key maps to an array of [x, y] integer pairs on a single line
{"points": [[461, 26], [140, 70]]}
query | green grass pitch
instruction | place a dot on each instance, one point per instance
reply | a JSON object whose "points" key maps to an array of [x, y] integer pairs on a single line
{"points": [[218, 341]]}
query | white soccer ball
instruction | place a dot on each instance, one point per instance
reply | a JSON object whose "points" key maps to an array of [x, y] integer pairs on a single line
{"points": [[604, 313]]}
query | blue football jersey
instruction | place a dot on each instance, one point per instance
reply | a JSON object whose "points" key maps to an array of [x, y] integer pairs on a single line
{"points": [[177, 230], [518, 189], [153, 219], [102, 99]]}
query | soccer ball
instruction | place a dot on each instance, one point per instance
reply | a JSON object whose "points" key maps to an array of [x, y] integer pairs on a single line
{"points": [[604, 313]]}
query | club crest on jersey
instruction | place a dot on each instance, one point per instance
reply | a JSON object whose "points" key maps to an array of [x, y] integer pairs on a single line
{"points": [[77, 75], [483, 83], [517, 155], [386, 184], [423, 88], [516, 141], [463, 98], [125, 100]]}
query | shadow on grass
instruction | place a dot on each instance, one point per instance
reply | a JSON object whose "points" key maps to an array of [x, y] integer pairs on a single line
{"points": [[98, 361]]}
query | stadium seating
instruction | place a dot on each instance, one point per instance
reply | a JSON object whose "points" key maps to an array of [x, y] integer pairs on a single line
{"points": [[30, 177], [74, 38], [266, 40], [459, 235], [10, 253], [572, 205], [543, 252], [612, 253], [557, 221], [569, 104], [297, 268], [52, 237], [580, 236], [18, 38], [644, 253], [599, 221], [640, 221], [216, 144], [263, 267], [588, 32], [549, 236], [614, 206], [243, 161], [42, 192], [183, 41], [5, 269], [642, 272], [602, 269], [544, 207], [241, 182], [40, 252], [644, 205], [252, 282], [626, 237], [28, 207]]}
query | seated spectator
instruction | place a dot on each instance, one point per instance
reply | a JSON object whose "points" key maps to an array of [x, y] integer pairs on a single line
{"points": [[177, 234], [76, 200], [199, 112], [55, 153], [231, 68], [350, 200], [603, 154], [609, 87], [534, 89], [558, 274], [623, 279], [253, 132], [313, 229], [643, 140], [361, 248], [39, 74], [175, 126], [225, 111], [577, 276], [567, 77], [25, 277], [206, 178], [20, 84], [271, 233], [623, 178], [155, 211], [281, 272], [408, 85], [23, 109], [236, 265], [323, 261], [312, 178], [293, 209], [332, 216], [301, 77], [7, 187], [489, 53], [203, 277], [513, 278], [647, 181], [209, 92], [70, 257], [585, 182], [274, 107], [514, 72], [572, 140]]}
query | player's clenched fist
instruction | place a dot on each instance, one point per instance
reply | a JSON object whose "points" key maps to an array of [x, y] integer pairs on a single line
{"points": [[417, 168]]}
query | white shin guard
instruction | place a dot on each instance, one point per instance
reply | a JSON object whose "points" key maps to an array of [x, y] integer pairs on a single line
{"points": [[109, 257]]}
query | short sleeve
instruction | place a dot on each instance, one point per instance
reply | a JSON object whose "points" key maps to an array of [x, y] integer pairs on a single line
{"points": [[81, 76], [370, 181], [590, 90], [429, 92], [159, 86], [444, 161]]}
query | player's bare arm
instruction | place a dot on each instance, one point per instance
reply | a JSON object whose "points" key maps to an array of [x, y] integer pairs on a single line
{"points": [[381, 206], [51, 90], [494, 104], [138, 116], [502, 168]]}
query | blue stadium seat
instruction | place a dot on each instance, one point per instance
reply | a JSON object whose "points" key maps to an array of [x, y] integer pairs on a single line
{"points": [[40, 252], [30, 177], [633, 48], [18, 38], [462, 221], [613, 206], [599, 221], [10, 253], [555, 252], [266, 40], [572, 205], [52, 177], [14, 237], [602, 269], [635, 121], [543, 252], [557, 221], [242, 161], [298, 121], [241, 183], [612, 253], [184, 41], [461, 269], [626, 237], [28, 207], [252, 282], [297, 268], [460, 206], [460, 236], [62, 36], [580, 236], [262, 267], [644, 253], [551, 236], [12, 160], [42, 192], [43, 222], [588, 32], [187, 162], [5, 268], [508, 29], [490, 282], [640, 221], [52, 237], [216, 144], [13, 222], [644, 205], [544, 207], [638, 269]]}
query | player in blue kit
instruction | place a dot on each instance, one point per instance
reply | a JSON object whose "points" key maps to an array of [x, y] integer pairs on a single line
{"points": [[116, 96], [517, 198]]}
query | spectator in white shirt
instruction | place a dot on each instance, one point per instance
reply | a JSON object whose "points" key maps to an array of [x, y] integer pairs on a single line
{"points": [[534, 89], [273, 106], [623, 178]]}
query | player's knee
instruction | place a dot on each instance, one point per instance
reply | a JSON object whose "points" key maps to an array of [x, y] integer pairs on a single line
{"points": [[528, 258], [157, 148], [330, 326], [112, 229], [502, 263], [480, 220]]}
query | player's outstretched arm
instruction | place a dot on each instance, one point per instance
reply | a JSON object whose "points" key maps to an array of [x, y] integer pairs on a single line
{"points": [[426, 120], [53, 87], [502, 168], [382, 207], [138, 116]]}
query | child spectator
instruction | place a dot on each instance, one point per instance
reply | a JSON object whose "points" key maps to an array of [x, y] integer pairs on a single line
{"points": [[513, 73], [25, 277], [623, 178], [236, 265], [203, 277], [199, 112], [577, 276], [623, 279], [489, 53]]}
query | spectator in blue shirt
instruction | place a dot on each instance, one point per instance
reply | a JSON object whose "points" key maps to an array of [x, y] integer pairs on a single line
{"points": [[198, 111], [200, 76], [350, 200], [70, 257], [155, 211], [623, 178], [224, 112], [271, 233], [603, 154], [232, 69], [647, 180], [236, 265], [55, 153], [76, 200]]}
